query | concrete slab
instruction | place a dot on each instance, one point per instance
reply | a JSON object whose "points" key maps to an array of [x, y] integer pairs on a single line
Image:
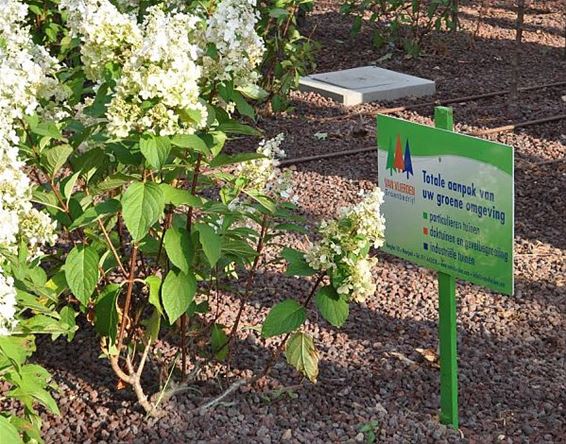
{"points": [[366, 84]]}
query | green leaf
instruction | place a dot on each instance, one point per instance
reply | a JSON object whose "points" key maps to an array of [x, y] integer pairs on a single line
{"points": [[219, 342], [253, 92], [154, 284], [177, 243], [47, 129], [68, 319], [142, 206], [211, 243], [114, 181], [98, 107], [243, 107], [283, 318], [178, 196], [238, 128], [298, 265], [92, 214], [153, 324], [332, 307], [54, 158], [278, 13], [81, 272], [8, 432], [106, 320], [16, 349], [155, 149], [267, 203], [301, 354], [69, 185], [228, 159], [193, 116], [177, 293], [191, 141]]}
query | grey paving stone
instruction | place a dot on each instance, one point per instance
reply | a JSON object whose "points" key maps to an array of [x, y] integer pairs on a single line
{"points": [[366, 84]]}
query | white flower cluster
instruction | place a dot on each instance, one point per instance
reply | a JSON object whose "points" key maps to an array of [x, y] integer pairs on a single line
{"points": [[165, 66], [107, 35], [25, 75], [231, 28], [7, 304], [264, 175], [159, 88], [343, 250]]}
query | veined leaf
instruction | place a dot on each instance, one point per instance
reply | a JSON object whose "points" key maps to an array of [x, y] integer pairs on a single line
{"points": [[191, 141], [238, 128], [301, 354], [142, 206], [332, 306], [92, 214], [283, 318], [54, 158], [177, 243], [155, 149], [254, 92], [154, 284], [106, 320], [211, 243], [81, 272], [298, 265], [9, 432], [177, 293], [178, 196], [219, 342]]}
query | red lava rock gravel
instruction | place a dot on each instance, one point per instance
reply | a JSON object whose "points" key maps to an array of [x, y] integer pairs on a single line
{"points": [[511, 349]]}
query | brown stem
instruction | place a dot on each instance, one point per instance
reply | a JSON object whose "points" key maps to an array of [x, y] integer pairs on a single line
{"points": [[121, 236], [112, 249], [59, 197], [281, 346], [196, 173], [241, 382], [133, 377], [249, 283], [128, 302]]}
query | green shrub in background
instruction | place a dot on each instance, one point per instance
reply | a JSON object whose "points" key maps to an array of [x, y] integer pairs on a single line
{"points": [[402, 23], [289, 54]]}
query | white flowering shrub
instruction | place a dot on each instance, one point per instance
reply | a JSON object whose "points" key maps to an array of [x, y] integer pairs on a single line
{"points": [[27, 298], [136, 217]]}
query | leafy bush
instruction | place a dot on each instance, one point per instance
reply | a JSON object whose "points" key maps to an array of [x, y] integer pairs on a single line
{"points": [[289, 54], [147, 222], [401, 22]]}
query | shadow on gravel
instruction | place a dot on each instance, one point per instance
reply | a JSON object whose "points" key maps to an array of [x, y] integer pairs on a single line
{"points": [[510, 22], [511, 372]]}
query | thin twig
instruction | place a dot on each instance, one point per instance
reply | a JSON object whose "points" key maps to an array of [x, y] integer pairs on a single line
{"points": [[281, 346], [112, 249], [127, 303], [196, 173], [235, 386], [249, 283]]}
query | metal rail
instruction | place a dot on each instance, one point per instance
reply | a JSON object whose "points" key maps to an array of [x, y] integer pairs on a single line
{"points": [[345, 153]]}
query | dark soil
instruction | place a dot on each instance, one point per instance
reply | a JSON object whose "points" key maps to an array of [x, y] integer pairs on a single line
{"points": [[512, 349]]}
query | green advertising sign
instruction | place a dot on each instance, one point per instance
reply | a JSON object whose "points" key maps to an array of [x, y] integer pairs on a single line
{"points": [[448, 201]]}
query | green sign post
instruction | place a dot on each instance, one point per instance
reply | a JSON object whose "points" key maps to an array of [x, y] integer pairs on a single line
{"points": [[448, 206]]}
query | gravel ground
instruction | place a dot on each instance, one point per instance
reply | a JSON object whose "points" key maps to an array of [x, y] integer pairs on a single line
{"points": [[512, 349]]}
